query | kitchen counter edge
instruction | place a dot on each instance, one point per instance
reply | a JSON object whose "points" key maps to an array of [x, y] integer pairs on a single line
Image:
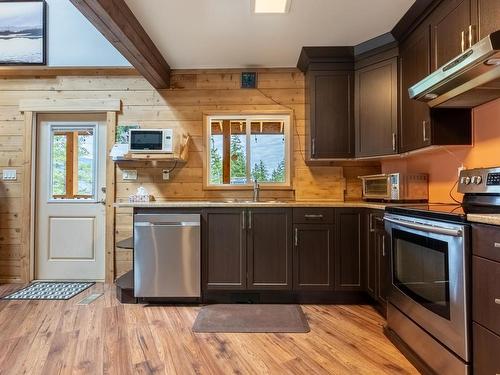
{"points": [[210, 204]]}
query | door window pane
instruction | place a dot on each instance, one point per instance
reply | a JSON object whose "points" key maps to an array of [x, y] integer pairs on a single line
{"points": [[72, 163], [58, 164], [85, 163]]}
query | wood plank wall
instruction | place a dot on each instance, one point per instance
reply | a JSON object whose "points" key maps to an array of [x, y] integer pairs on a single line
{"points": [[182, 108]]}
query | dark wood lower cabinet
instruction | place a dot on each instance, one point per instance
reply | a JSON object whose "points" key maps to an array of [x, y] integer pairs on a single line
{"points": [[313, 263], [247, 249], [349, 249], [486, 350], [269, 241], [267, 250], [377, 260], [224, 249]]}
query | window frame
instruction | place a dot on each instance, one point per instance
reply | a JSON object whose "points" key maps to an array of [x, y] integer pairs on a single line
{"points": [[285, 116]]}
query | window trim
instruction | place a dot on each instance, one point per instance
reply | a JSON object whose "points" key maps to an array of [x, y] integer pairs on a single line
{"points": [[286, 116]]}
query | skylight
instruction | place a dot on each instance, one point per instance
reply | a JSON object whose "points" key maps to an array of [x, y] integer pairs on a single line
{"points": [[271, 6]]}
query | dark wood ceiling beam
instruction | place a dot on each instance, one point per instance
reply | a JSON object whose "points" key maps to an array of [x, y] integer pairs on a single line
{"points": [[115, 20]]}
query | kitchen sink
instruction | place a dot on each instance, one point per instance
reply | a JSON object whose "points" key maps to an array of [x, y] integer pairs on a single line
{"points": [[249, 201]]}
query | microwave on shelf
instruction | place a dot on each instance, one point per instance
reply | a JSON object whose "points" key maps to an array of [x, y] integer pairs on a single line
{"points": [[396, 187], [151, 140]]}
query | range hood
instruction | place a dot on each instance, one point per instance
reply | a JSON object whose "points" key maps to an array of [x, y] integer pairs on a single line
{"points": [[471, 79]]}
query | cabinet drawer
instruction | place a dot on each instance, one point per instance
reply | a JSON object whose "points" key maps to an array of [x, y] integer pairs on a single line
{"points": [[486, 293], [312, 215], [486, 347], [486, 241]]}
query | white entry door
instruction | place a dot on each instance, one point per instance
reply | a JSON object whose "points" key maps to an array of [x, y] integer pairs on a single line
{"points": [[70, 191]]}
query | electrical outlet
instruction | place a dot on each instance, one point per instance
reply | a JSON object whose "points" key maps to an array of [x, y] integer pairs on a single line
{"points": [[129, 174], [9, 174], [166, 174]]}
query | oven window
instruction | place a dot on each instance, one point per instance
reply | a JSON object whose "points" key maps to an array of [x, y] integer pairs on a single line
{"points": [[376, 187], [420, 270]]}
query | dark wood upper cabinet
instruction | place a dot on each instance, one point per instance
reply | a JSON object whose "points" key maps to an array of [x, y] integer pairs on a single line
{"points": [[414, 60], [376, 108], [224, 249], [450, 31], [269, 248], [349, 241], [329, 84], [313, 264], [421, 126], [487, 14], [331, 114]]}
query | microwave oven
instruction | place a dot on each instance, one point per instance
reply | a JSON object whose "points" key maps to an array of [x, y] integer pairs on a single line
{"points": [[151, 140], [396, 187]]}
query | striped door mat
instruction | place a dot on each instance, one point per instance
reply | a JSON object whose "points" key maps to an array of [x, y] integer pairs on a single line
{"points": [[44, 290]]}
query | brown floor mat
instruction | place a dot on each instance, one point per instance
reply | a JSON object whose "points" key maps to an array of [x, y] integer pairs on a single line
{"points": [[251, 318]]}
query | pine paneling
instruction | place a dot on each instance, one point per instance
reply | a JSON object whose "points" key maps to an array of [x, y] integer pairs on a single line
{"points": [[194, 93]]}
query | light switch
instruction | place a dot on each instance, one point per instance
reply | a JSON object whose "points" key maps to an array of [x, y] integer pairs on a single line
{"points": [[9, 174], [129, 174]]}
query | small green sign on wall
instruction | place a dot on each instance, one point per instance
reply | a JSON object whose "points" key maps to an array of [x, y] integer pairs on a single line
{"points": [[248, 80]]}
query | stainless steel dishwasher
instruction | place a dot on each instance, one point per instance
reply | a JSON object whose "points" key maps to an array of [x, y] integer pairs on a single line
{"points": [[167, 255]]}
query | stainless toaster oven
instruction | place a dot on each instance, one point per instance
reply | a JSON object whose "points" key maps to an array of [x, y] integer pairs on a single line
{"points": [[396, 187]]}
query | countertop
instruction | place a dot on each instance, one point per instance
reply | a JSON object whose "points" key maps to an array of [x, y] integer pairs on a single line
{"points": [[242, 203], [484, 218]]}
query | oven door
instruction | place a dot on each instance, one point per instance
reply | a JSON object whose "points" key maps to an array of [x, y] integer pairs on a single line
{"points": [[377, 187], [430, 277]]}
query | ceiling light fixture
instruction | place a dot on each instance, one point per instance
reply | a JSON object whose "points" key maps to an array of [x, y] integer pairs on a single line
{"points": [[271, 6]]}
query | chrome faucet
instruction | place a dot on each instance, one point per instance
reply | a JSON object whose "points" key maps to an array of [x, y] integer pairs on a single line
{"points": [[256, 190]]}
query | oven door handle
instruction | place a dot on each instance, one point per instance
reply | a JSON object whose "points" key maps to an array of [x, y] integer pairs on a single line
{"points": [[426, 228]]}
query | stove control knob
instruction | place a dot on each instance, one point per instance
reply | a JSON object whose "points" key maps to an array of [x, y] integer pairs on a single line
{"points": [[466, 180], [477, 180]]}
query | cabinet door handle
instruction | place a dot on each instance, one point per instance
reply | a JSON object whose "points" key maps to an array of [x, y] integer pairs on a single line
{"points": [[383, 246], [314, 147], [249, 219], [462, 43], [497, 301], [471, 30], [296, 238], [496, 245], [424, 131], [243, 224], [371, 223], [393, 141], [313, 216]]}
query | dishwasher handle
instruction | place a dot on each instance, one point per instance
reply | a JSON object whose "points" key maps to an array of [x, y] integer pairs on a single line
{"points": [[168, 224]]}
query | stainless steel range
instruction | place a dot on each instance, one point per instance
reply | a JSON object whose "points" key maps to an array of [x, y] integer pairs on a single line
{"points": [[429, 305]]}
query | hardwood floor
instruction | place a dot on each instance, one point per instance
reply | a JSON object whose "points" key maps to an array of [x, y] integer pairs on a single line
{"points": [[105, 337]]}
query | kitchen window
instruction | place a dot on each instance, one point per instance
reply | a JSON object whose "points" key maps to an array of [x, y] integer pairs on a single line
{"points": [[243, 148]]}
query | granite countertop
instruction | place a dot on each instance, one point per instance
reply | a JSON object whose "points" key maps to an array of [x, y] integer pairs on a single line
{"points": [[244, 203], [484, 218]]}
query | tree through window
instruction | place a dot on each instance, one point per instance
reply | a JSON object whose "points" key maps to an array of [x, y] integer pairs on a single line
{"points": [[242, 149]]}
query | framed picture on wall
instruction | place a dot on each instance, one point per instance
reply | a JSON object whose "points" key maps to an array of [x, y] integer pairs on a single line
{"points": [[23, 34]]}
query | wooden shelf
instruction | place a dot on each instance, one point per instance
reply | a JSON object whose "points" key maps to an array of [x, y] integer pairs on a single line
{"points": [[181, 156]]}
